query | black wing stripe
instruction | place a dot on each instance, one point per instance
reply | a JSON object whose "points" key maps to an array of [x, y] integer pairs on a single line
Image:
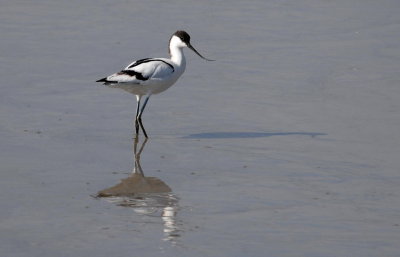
{"points": [[139, 62], [132, 73], [150, 60]]}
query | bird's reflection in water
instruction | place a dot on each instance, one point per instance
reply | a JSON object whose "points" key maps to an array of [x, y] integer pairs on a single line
{"points": [[147, 196]]}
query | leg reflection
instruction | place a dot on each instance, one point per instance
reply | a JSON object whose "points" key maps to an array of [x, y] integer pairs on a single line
{"points": [[148, 196]]}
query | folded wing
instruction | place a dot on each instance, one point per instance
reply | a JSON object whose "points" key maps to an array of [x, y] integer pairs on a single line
{"points": [[141, 71]]}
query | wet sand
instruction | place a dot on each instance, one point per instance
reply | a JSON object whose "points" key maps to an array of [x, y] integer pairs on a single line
{"points": [[287, 145]]}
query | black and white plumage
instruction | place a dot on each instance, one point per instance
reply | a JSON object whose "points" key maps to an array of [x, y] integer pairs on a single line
{"points": [[149, 76]]}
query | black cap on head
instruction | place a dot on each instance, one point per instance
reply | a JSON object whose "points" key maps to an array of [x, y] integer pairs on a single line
{"points": [[183, 35]]}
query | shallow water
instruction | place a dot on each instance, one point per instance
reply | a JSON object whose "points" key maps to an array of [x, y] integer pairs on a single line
{"points": [[285, 146]]}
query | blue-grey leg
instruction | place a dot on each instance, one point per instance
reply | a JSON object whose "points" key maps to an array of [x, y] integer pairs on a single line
{"points": [[139, 118], [137, 114]]}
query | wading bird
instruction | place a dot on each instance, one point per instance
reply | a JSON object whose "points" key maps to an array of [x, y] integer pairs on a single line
{"points": [[149, 76]]}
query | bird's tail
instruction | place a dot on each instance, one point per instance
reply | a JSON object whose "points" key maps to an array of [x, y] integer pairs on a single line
{"points": [[102, 80], [106, 81]]}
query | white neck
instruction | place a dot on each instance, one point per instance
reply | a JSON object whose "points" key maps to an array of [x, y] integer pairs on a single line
{"points": [[176, 51], [177, 56]]}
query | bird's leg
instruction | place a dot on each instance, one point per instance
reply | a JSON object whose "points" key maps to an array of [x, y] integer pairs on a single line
{"points": [[138, 97], [139, 118]]}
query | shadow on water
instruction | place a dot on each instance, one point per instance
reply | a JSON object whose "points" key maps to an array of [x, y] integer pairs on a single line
{"points": [[217, 135], [146, 196]]}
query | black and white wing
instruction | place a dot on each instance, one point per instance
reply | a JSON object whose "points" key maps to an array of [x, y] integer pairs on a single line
{"points": [[141, 71]]}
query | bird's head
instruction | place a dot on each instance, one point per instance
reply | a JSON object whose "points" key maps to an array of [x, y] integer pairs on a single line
{"points": [[181, 39]]}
